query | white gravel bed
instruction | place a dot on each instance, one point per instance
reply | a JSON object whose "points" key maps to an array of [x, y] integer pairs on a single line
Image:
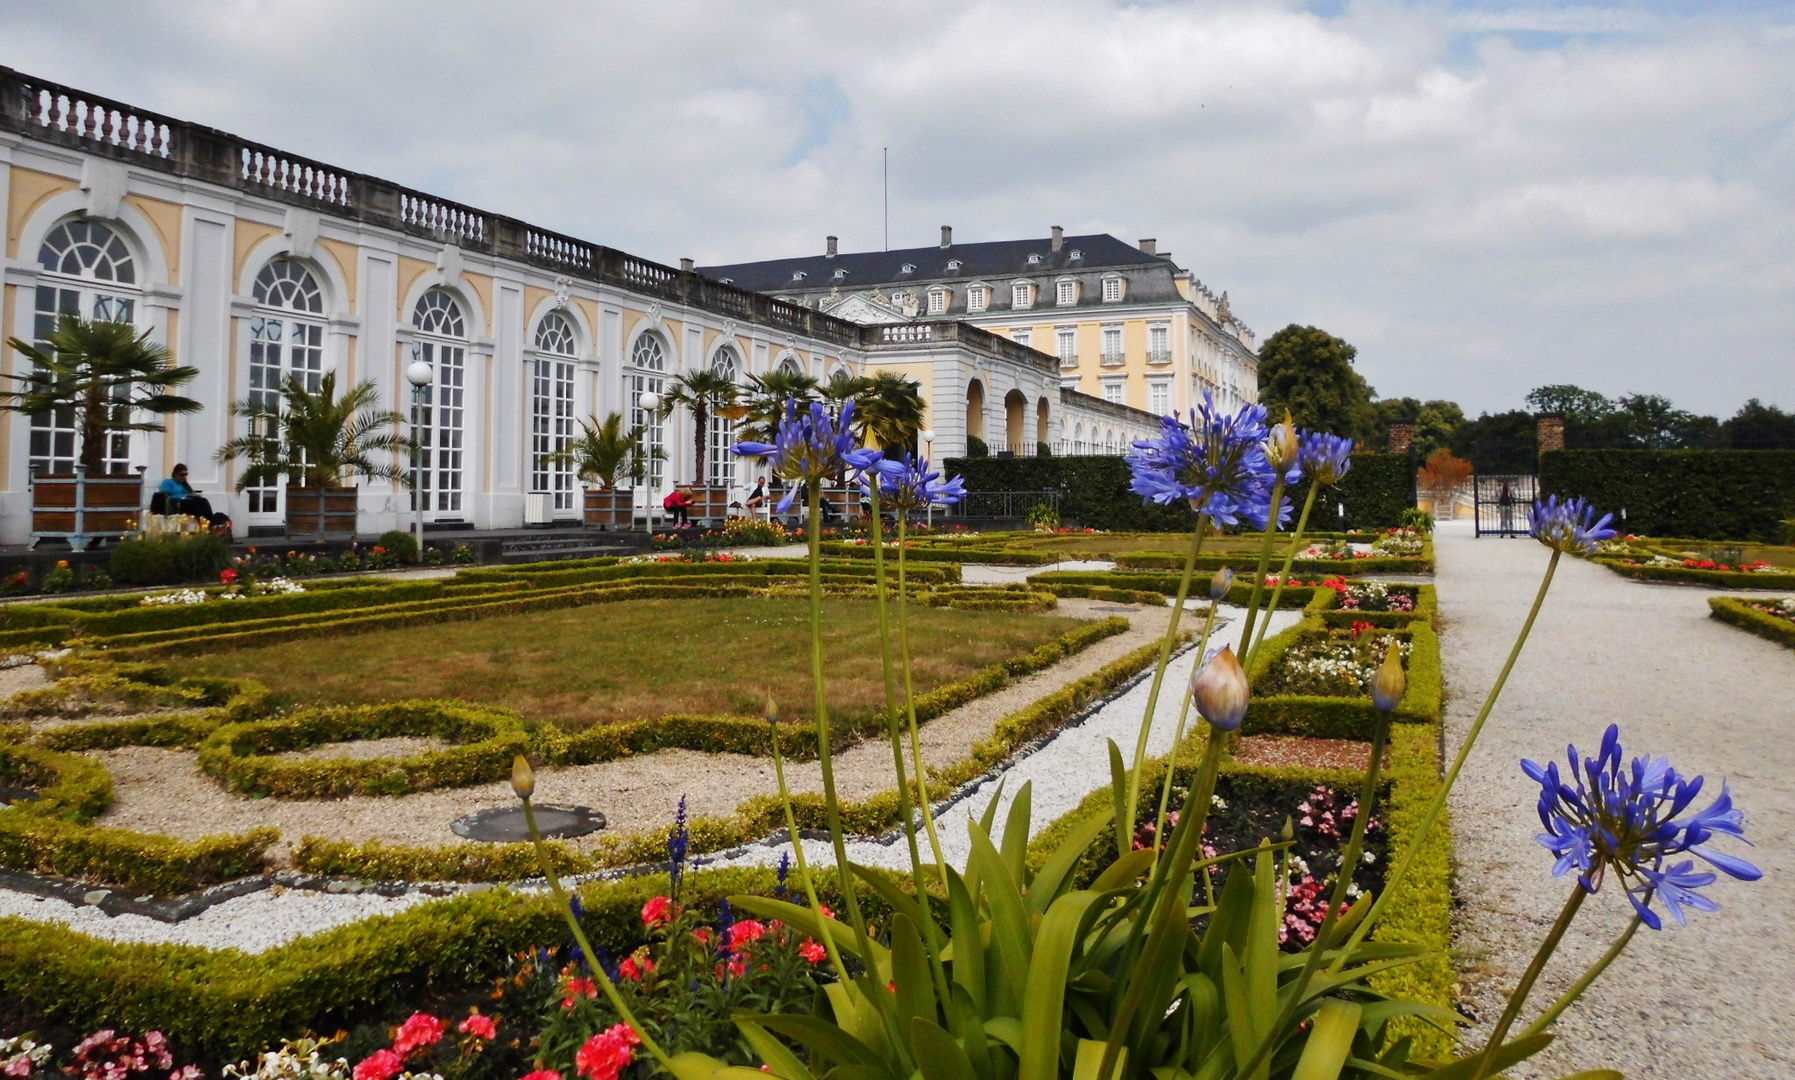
{"points": [[1061, 773], [1695, 1001], [252, 923]]}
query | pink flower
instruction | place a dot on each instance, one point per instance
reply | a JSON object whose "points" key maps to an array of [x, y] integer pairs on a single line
{"points": [[813, 951], [480, 1027], [541, 1074], [743, 932], [606, 1053], [418, 1031], [578, 987], [657, 911], [380, 1065]]}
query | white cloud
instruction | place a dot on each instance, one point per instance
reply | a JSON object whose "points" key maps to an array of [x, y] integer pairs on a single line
{"points": [[1482, 199]]}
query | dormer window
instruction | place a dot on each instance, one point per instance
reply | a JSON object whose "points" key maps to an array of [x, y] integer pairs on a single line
{"points": [[1034, 260], [1113, 289], [909, 268], [978, 298], [899, 299], [1065, 292], [840, 273], [953, 264], [1022, 295], [938, 301], [1076, 254], [798, 275]]}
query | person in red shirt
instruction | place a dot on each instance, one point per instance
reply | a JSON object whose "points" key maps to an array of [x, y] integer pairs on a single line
{"points": [[679, 504]]}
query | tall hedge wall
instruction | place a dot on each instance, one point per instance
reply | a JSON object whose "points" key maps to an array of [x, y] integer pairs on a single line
{"points": [[1095, 491], [1700, 494]]}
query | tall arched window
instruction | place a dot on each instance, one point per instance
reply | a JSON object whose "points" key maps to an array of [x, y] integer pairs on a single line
{"points": [[648, 361], [790, 365], [87, 272], [286, 340], [438, 417], [551, 408], [722, 432]]}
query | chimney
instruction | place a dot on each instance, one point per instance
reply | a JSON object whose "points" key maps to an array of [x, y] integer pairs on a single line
{"points": [[1149, 245], [831, 251], [686, 265], [1550, 432], [947, 236], [1059, 238]]}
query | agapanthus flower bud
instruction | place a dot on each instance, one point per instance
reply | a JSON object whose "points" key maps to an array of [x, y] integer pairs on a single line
{"points": [[1280, 443], [1221, 583], [1219, 690], [1390, 682], [772, 709], [523, 778]]}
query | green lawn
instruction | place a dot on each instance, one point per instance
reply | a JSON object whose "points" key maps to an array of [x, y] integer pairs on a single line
{"points": [[641, 658]]}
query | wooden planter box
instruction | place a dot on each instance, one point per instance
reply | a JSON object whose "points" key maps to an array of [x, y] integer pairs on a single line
{"points": [[709, 504], [610, 508], [84, 509], [321, 513]]}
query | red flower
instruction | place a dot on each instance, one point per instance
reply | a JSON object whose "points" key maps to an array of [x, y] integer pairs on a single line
{"points": [[578, 987], [634, 971], [813, 951], [229, 577], [657, 911], [606, 1053], [542, 1074], [380, 1065], [743, 932], [418, 1031], [480, 1027]]}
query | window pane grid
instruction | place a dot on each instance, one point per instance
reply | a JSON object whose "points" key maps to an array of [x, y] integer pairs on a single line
{"points": [[89, 253]]}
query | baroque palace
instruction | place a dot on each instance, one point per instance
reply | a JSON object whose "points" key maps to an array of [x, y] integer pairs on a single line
{"points": [[254, 265]]}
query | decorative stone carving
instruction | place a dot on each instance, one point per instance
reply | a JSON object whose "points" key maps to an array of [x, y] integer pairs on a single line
{"points": [[562, 284], [449, 262], [104, 183], [302, 232]]}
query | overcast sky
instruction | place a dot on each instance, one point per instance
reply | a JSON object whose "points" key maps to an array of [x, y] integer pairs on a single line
{"points": [[1482, 197]]}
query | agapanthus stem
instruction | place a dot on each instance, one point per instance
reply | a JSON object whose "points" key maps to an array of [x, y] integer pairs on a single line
{"points": [[1349, 862], [1125, 829], [1394, 880], [1518, 997], [1569, 997], [791, 826], [825, 759], [922, 775], [1165, 791], [579, 936], [1271, 529], [1296, 539], [894, 727]]}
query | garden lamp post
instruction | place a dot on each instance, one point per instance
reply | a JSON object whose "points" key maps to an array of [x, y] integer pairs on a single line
{"points": [[419, 375], [927, 435], [649, 402]]}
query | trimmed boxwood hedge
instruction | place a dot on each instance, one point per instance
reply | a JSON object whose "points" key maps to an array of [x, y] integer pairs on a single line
{"points": [[1377, 564], [244, 755], [1708, 494], [1687, 575], [1729, 609]]}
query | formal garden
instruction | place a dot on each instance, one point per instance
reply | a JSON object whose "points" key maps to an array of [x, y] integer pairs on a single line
{"points": [[1167, 802]]}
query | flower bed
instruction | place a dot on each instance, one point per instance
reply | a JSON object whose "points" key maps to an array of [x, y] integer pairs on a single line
{"points": [[1332, 663], [244, 755], [1337, 715], [1771, 619]]}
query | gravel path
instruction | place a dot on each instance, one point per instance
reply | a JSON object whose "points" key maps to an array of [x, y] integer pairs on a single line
{"points": [[1701, 1001], [163, 791]]}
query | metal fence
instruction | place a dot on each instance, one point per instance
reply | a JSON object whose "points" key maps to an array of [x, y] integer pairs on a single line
{"points": [[1502, 501], [1004, 504]]}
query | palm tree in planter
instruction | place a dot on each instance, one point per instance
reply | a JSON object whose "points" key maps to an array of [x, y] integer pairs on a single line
{"points": [[319, 442], [703, 392], [764, 405], [603, 451], [889, 413], [97, 376]]}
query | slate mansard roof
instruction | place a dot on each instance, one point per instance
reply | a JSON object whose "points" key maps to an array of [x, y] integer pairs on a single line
{"points": [[994, 261]]}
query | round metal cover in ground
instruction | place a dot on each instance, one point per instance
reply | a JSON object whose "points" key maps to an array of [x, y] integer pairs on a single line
{"points": [[506, 825]]}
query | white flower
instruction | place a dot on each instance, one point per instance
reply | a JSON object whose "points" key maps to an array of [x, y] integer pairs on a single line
{"points": [[179, 596]]}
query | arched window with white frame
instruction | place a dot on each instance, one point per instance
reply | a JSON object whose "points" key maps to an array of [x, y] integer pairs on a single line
{"points": [[789, 365], [438, 413], [88, 272], [286, 341], [551, 409], [648, 365], [722, 433]]}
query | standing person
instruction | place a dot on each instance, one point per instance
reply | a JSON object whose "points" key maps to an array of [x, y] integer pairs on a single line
{"points": [[678, 503]]}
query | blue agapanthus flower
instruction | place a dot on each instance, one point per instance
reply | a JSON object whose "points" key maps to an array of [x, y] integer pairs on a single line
{"points": [[810, 445], [1326, 458], [909, 485], [1217, 463], [1569, 526], [1630, 819]]}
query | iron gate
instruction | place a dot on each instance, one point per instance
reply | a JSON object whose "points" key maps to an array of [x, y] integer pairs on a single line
{"points": [[1502, 501]]}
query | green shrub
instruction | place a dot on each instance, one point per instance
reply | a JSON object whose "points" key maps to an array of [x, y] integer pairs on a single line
{"points": [[1705, 494], [1689, 575], [242, 755], [170, 559], [1740, 613], [400, 543], [377, 861]]}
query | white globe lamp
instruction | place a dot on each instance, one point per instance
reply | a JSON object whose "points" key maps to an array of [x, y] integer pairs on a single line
{"points": [[419, 373]]}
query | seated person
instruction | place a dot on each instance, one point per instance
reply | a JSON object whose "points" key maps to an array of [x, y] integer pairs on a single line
{"points": [[758, 497], [182, 499], [678, 503]]}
